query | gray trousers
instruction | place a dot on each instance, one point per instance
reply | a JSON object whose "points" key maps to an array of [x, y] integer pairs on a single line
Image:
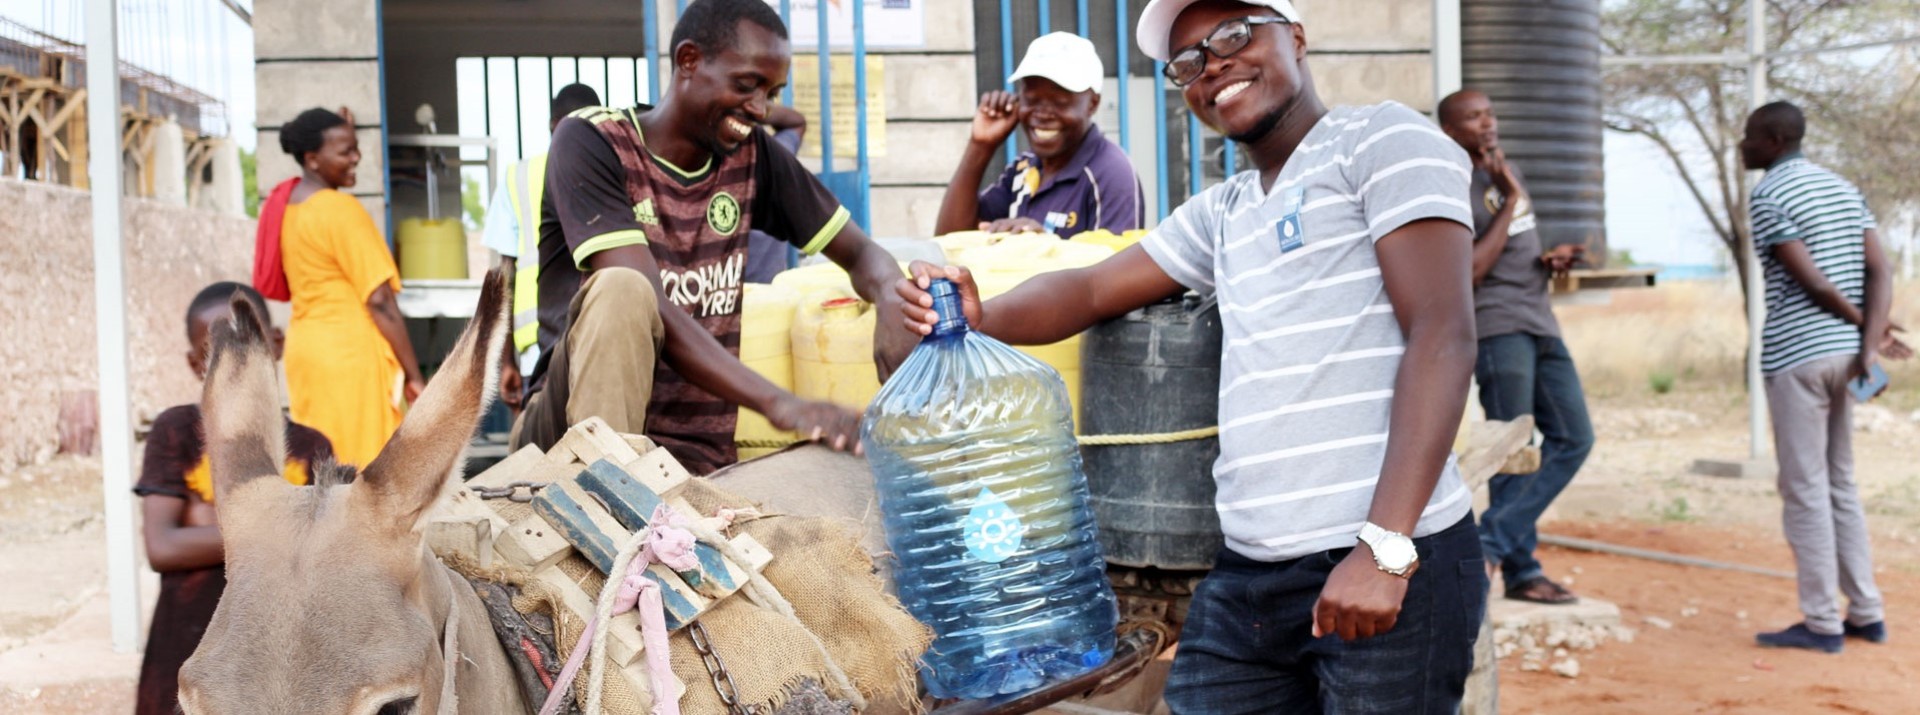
{"points": [[1823, 520]]}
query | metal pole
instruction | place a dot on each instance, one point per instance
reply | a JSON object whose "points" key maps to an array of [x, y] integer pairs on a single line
{"points": [[110, 322], [865, 219], [1046, 16], [650, 44], [1756, 284], [1080, 20], [1196, 144], [1160, 139], [1446, 47], [1121, 54], [786, 18], [825, 47], [1006, 60]]}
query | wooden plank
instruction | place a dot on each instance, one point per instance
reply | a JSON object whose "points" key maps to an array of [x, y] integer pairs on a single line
{"points": [[521, 466], [467, 538], [592, 440], [531, 544], [585, 523], [639, 443], [659, 471], [1488, 445], [757, 556], [633, 505], [578, 527], [624, 645]]}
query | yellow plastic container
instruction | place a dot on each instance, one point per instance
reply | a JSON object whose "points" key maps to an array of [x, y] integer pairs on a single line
{"points": [[807, 280], [433, 249], [766, 346], [1007, 262], [833, 349], [1117, 242]]}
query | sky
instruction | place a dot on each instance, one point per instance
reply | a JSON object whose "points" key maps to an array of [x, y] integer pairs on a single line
{"points": [[1648, 209]]}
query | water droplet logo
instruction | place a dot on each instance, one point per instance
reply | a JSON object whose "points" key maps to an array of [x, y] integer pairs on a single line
{"points": [[992, 531]]}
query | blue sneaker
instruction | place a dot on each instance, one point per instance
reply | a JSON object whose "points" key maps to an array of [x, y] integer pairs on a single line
{"points": [[1797, 636], [1875, 632]]}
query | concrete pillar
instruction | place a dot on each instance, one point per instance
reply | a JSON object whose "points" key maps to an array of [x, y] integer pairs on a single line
{"points": [[320, 54]]}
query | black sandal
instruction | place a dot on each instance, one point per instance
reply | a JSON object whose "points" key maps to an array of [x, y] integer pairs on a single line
{"points": [[1531, 590]]}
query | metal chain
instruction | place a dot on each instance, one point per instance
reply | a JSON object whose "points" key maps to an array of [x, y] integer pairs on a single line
{"points": [[722, 680], [521, 492]]}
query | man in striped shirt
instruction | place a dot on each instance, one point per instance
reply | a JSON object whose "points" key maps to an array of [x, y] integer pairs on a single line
{"points": [[1352, 579], [1828, 294]]}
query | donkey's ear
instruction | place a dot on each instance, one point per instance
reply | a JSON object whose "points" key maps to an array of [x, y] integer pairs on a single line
{"points": [[240, 404], [422, 458]]}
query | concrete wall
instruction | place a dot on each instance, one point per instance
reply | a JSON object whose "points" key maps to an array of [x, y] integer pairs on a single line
{"points": [[46, 303], [319, 53], [1365, 52], [929, 111]]}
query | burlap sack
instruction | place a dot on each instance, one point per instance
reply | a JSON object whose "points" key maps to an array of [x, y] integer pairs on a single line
{"points": [[819, 565]]}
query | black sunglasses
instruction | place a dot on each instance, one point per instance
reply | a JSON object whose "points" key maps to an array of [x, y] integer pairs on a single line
{"points": [[1226, 41]]}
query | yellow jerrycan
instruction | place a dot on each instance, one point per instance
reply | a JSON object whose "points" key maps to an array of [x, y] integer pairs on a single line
{"points": [[766, 346], [833, 349]]}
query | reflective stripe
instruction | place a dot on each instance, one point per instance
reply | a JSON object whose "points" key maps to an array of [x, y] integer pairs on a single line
{"points": [[525, 186]]}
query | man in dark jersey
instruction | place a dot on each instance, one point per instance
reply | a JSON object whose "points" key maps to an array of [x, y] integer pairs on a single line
{"points": [[643, 240]]}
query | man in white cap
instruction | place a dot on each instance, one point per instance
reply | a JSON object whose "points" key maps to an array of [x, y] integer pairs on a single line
{"points": [[1352, 580], [1072, 177]]}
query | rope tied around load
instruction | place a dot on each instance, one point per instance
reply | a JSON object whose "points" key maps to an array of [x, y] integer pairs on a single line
{"points": [[1122, 440], [1086, 440]]}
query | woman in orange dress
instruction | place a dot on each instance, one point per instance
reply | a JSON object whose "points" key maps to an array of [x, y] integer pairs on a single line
{"points": [[350, 366]]}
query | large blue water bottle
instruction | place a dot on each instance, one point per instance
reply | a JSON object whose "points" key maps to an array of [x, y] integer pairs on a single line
{"points": [[986, 507]]}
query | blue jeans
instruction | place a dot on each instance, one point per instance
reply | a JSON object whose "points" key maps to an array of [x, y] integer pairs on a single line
{"points": [[1248, 644], [1523, 374]]}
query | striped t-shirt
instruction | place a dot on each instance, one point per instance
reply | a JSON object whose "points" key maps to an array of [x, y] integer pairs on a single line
{"points": [[1798, 200], [1312, 345]]}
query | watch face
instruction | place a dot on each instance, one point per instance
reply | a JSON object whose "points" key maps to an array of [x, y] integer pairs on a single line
{"points": [[1397, 553]]}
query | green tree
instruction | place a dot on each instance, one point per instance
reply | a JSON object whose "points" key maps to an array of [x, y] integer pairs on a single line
{"points": [[473, 208], [250, 182], [1859, 105]]}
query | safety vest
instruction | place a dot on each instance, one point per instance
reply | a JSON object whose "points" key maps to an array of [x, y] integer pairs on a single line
{"points": [[526, 183]]}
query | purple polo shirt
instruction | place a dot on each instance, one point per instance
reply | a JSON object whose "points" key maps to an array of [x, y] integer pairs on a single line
{"points": [[1097, 189]]}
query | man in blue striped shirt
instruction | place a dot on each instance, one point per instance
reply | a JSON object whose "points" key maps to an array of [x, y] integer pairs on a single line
{"points": [[1828, 295]]}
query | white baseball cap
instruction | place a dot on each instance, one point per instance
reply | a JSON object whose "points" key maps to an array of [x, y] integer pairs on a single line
{"points": [[1156, 22], [1067, 59]]}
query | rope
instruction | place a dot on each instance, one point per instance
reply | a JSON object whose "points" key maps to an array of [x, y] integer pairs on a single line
{"points": [[766, 443], [1116, 440], [1087, 440]]}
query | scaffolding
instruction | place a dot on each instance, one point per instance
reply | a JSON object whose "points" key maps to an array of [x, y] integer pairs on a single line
{"points": [[43, 124]]}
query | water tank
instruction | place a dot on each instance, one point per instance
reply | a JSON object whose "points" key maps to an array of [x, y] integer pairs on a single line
{"points": [[1154, 371], [1539, 61]]}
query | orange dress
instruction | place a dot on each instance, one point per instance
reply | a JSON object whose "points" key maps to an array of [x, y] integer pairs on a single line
{"points": [[342, 376]]}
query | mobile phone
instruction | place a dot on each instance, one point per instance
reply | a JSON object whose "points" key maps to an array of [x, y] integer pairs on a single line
{"points": [[1866, 387]]}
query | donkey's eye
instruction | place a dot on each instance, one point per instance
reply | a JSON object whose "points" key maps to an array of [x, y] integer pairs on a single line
{"points": [[401, 706]]}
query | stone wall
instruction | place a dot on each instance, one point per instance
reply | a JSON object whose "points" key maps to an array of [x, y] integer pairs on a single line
{"points": [[47, 347]]}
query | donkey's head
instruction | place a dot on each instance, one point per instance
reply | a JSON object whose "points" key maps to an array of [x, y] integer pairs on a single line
{"points": [[333, 603]]}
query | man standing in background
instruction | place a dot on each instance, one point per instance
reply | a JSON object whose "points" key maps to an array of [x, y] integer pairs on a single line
{"points": [[1524, 367], [1829, 293], [513, 230]]}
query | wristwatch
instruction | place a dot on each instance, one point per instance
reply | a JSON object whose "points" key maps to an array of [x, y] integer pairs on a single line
{"points": [[1392, 551]]}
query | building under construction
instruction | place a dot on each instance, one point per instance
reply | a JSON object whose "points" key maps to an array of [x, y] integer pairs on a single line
{"points": [[175, 142]]}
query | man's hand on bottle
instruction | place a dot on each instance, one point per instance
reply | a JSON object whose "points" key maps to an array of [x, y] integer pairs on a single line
{"points": [[916, 304], [822, 422]]}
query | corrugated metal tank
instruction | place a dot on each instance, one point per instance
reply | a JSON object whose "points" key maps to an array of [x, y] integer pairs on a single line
{"points": [[1539, 61]]}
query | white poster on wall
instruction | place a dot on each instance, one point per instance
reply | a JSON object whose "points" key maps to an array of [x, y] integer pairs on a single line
{"points": [[891, 24]]}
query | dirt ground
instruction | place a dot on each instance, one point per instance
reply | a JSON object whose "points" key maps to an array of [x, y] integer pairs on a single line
{"points": [[1636, 490]]}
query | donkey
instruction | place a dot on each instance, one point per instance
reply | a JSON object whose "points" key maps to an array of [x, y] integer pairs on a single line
{"points": [[333, 602]]}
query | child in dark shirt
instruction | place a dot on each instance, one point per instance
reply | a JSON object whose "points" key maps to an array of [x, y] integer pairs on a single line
{"points": [[176, 490]]}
